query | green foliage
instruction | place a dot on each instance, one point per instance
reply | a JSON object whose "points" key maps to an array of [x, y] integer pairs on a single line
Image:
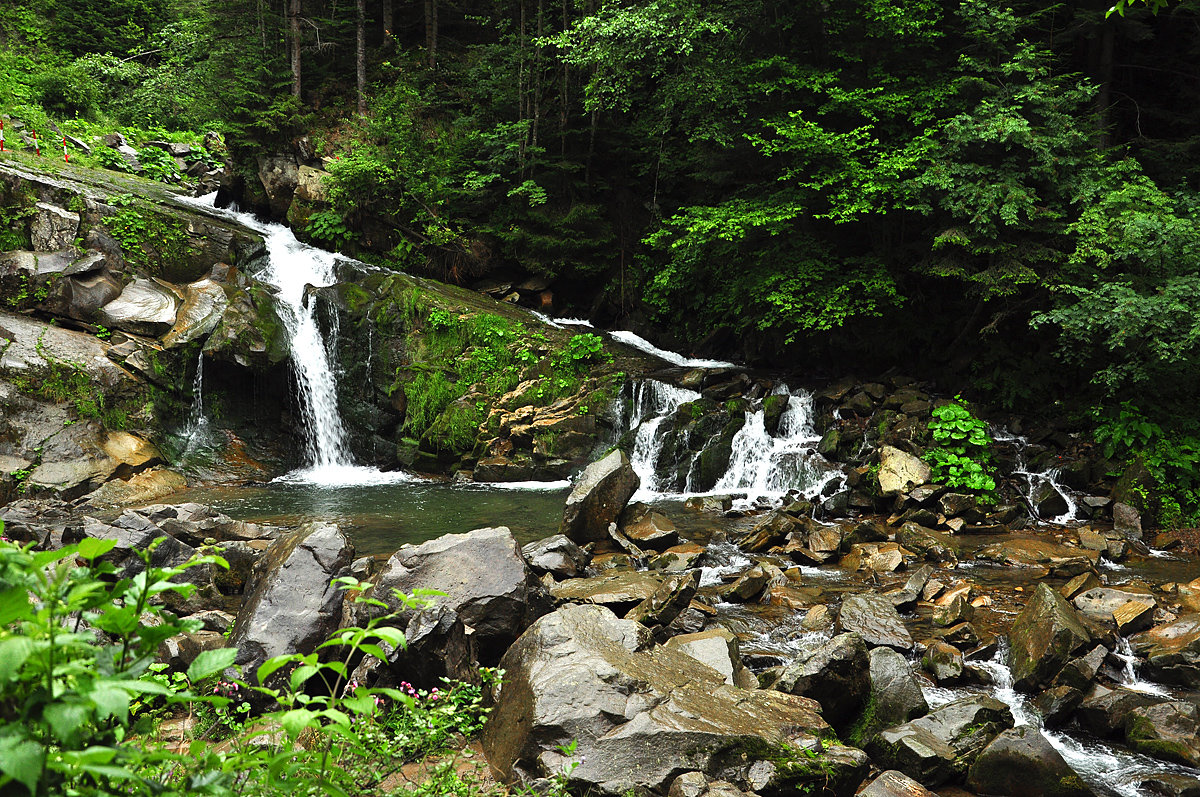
{"points": [[327, 226], [963, 456], [158, 164], [148, 239], [582, 350], [1170, 459]]}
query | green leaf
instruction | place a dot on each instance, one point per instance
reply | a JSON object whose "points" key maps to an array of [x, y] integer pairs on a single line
{"points": [[13, 653], [92, 547], [302, 674], [296, 720], [14, 605], [65, 719], [21, 760], [211, 662]]}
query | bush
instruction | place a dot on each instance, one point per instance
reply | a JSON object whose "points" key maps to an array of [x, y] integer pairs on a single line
{"points": [[963, 456], [70, 91]]}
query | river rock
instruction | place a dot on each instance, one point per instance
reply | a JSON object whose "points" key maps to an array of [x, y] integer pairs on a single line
{"points": [[1127, 521], [1021, 762], [52, 228], [943, 661], [678, 558], [697, 784], [144, 308], [933, 545], [485, 581], [1104, 711], [1048, 502], [279, 176], [291, 606], [620, 590], [836, 675], [1057, 704], [652, 530], [1171, 784], [152, 484], [1172, 651], [641, 716], [719, 649], [598, 497], [900, 472], [942, 745], [894, 783], [956, 609], [1080, 583], [80, 297], [895, 697], [873, 618], [203, 306], [905, 598], [1081, 672], [197, 524], [1043, 638], [1100, 603], [671, 597], [556, 554], [1060, 559], [1169, 730]]}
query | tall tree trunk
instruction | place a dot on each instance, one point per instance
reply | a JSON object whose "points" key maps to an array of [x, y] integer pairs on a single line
{"points": [[431, 32], [522, 99], [294, 10], [1105, 74], [389, 19], [562, 94], [537, 72], [360, 56]]}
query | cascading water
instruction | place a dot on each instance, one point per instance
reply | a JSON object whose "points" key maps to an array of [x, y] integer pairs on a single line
{"points": [[293, 267], [1107, 769], [197, 432], [640, 343], [1129, 676], [761, 465], [1034, 480]]}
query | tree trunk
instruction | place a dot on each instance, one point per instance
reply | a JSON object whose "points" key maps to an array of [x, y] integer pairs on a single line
{"points": [[562, 95], [360, 56], [1104, 96], [294, 11], [431, 32], [537, 73], [389, 19]]}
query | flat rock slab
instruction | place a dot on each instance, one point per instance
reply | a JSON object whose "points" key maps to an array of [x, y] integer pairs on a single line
{"points": [[144, 307], [621, 587], [875, 619]]}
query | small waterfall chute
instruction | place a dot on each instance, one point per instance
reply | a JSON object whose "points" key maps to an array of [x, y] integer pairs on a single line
{"points": [[1037, 480]]}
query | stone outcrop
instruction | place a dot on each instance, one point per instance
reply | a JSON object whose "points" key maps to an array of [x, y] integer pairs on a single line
{"points": [[598, 497], [1044, 637]]}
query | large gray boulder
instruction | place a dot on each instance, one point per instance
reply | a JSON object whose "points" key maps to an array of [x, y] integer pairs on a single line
{"points": [[894, 783], [895, 697], [719, 649], [835, 674], [1043, 638], [1021, 762], [485, 580], [1169, 730], [291, 606], [900, 472], [942, 745], [204, 304], [602, 491], [641, 716], [1172, 651], [52, 228], [873, 618], [556, 554]]}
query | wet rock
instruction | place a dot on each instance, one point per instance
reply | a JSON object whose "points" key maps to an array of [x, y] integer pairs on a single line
{"points": [[874, 557], [944, 662], [291, 606], [652, 530], [556, 554], [1101, 604], [836, 675], [751, 584], [1126, 521], [79, 297], [1048, 502], [894, 783], [485, 580], [1080, 583], [148, 485], [203, 307], [1170, 731], [942, 745], [962, 506], [932, 545], [719, 649], [1060, 559], [900, 472], [895, 695], [962, 636], [1171, 784], [957, 609], [310, 185], [1057, 704], [1080, 672], [678, 558], [1021, 762], [144, 307], [770, 532], [640, 716], [696, 784], [1172, 651], [52, 228], [1043, 638], [1104, 711], [671, 597], [873, 617], [279, 175], [598, 497], [620, 590], [905, 598]]}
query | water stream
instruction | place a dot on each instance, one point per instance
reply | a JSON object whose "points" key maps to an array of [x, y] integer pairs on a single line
{"points": [[1035, 479]]}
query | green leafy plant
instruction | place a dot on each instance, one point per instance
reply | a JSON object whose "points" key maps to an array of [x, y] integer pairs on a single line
{"points": [[583, 350], [329, 227], [962, 457]]}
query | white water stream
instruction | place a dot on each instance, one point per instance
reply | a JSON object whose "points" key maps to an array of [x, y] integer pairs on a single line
{"points": [[294, 267], [1035, 479]]}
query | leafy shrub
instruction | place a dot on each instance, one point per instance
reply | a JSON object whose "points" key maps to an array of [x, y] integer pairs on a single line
{"points": [[583, 350], [1171, 460], [963, 457]]}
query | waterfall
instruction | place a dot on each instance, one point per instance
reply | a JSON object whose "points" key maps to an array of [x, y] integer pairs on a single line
{"points": [[640, 343], [293, 268], [1035, 479], [1129, 676], [761, 465], [197, 432]]}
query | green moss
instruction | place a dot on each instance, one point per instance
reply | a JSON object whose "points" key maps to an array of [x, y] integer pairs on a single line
{"points": [[151, 241], [864, 726]]}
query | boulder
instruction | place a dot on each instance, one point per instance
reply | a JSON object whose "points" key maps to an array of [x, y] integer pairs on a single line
{"points": [[153, 484], [1021, 762], [1062, 560], [310, 185], [671, 597], [932, 545], [942, 745], [598, 497], [1127, 521], [900, 472], [52, 228], [620, 590], [1169, 730], [144, 307], [894, 783], [279, 175], [485, 580], [556, 554], [905, 598], [943, 661], [895, 696], [873, 618], [719, 649], [291, 606], [652, 530], [1043, 638], [835, 674], [1057, 704], [697, 784], [641, 717], [1105, 711], [80, 297], [203, 307], [1048, 502], [1101, 603], [197, 524], [1172, 651]]}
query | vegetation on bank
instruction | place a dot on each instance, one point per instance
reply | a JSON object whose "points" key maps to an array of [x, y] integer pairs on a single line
{"points": [[87, 711]]}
